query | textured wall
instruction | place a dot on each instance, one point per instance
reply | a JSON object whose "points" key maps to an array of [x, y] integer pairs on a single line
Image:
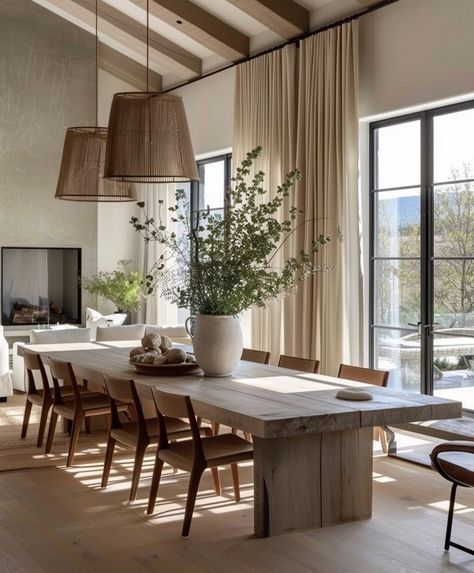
{"points": [[47, 83]]}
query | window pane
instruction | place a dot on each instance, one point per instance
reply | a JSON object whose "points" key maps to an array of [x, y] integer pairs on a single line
{"points": [[453, 144], [397, 154], [397, 292], [454, 294], [397, 223], [399, 353], [454, 220], [213, 185]]}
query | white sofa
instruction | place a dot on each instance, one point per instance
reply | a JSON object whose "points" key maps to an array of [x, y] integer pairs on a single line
{"points": [[111, 333], [6, 388]]}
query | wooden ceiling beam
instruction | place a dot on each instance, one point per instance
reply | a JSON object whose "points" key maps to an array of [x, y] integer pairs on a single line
{"points": [[172, 56], [127, 69], [285, 17], [201, 26]]}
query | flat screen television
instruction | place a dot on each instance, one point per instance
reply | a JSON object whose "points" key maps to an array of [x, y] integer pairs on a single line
{"points": [[41, 285]]}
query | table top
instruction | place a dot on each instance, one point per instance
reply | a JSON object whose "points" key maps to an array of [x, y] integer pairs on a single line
{"points": [[264, 400]]}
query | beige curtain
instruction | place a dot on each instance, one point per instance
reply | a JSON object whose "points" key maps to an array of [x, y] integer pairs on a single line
{"points": [[265, 114], [318, 134], [155, 309]]}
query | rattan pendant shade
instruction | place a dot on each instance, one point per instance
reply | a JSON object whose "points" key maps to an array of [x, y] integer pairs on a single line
{"points": [[82, 168], [148, 140]]}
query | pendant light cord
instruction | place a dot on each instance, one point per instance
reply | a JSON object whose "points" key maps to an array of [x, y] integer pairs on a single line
{"points": [[147, 41]]}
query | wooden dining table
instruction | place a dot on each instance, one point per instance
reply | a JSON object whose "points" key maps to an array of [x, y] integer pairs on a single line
{"points": [[313, 452]]}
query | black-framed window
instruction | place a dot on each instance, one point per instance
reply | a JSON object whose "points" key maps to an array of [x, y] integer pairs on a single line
{"points": [[422, 249], [214, 178]]}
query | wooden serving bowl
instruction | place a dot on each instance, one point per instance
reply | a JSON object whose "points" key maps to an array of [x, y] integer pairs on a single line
{"points": [[166, 369]]}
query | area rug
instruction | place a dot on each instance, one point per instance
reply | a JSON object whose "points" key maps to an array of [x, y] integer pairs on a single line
{"points": [[16, 454]]}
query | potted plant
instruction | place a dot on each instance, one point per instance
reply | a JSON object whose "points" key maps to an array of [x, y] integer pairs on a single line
{"points": [[219, 265], [122, 286]]}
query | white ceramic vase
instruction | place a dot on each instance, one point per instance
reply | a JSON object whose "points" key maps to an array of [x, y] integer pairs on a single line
{"points": [[217, 342]]}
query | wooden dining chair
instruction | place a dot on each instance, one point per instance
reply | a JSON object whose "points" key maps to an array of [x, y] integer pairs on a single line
{"points": [[301, 364], [256, 356], [78, 409], [455, 462], [41, 397], [140, 433], [194, 455], [369, 376]]}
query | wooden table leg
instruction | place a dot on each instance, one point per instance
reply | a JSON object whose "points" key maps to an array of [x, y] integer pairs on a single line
{"points": [[314, 480]]}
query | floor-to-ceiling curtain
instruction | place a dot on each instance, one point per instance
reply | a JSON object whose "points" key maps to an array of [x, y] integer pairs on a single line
{"points": [[155, 309], [320, 130], [265, 115]]}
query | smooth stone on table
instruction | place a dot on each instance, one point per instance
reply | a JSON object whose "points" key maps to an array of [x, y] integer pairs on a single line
{"points": [[354, 395], [217, 342]]}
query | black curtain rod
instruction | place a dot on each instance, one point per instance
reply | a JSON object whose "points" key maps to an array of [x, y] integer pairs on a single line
{"points": [[294, 40]]}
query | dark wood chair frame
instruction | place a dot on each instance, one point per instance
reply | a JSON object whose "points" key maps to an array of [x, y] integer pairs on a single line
{"points": [[181, 407], [42, 397], [459, 447], [304, 364], [74, 411]]}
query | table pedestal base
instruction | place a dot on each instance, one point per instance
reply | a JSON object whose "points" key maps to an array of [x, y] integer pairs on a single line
{"points": [[313, 481]]}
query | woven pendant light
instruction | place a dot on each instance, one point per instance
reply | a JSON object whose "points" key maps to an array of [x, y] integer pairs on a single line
{"points": [[82, 169], [148, 137], [82, 164]]}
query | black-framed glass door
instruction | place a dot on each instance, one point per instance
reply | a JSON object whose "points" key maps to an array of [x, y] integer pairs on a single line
{"points": [[422, 251]]}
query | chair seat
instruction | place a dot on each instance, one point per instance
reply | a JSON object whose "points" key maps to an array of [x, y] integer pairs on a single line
{"points": [[128, 433], [218, 450], [458, 465], [89, 403], [37, 398]]}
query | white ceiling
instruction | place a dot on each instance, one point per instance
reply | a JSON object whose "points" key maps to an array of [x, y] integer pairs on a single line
{"points": [[322, 12]]}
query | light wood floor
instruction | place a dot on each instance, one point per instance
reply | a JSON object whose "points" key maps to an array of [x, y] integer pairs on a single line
{"points": [[59, 521]]}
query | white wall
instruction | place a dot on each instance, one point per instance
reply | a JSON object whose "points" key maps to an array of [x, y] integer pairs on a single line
{"points": [[415, 52], [209, 105]]}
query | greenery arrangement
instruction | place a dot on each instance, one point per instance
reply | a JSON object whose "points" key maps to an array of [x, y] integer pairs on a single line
{"points": [[222, 264], [124, 287]]}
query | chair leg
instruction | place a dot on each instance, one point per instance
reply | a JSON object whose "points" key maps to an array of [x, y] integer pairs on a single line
{"points": [[137, 468], [43, 421], [450, 517], [215, 428], [196, 474], [87, 425], [109, 454], [235, 481], [248, 436], [52, 429], [217, 480], [76, 430], [155, 483], [383, 439], [26, 418]]}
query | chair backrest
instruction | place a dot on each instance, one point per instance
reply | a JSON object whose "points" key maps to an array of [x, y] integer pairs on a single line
{"points": [[61, 335], [33, 363], [302, 364], [257, 356], [176, 406], [121, 390], [126, 332], [61, 370], [367, 375]]}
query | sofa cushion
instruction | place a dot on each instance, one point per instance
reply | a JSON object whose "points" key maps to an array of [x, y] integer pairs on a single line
{"points": [[94, 319], [127, 332], [176, 333], [58, 336]]}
